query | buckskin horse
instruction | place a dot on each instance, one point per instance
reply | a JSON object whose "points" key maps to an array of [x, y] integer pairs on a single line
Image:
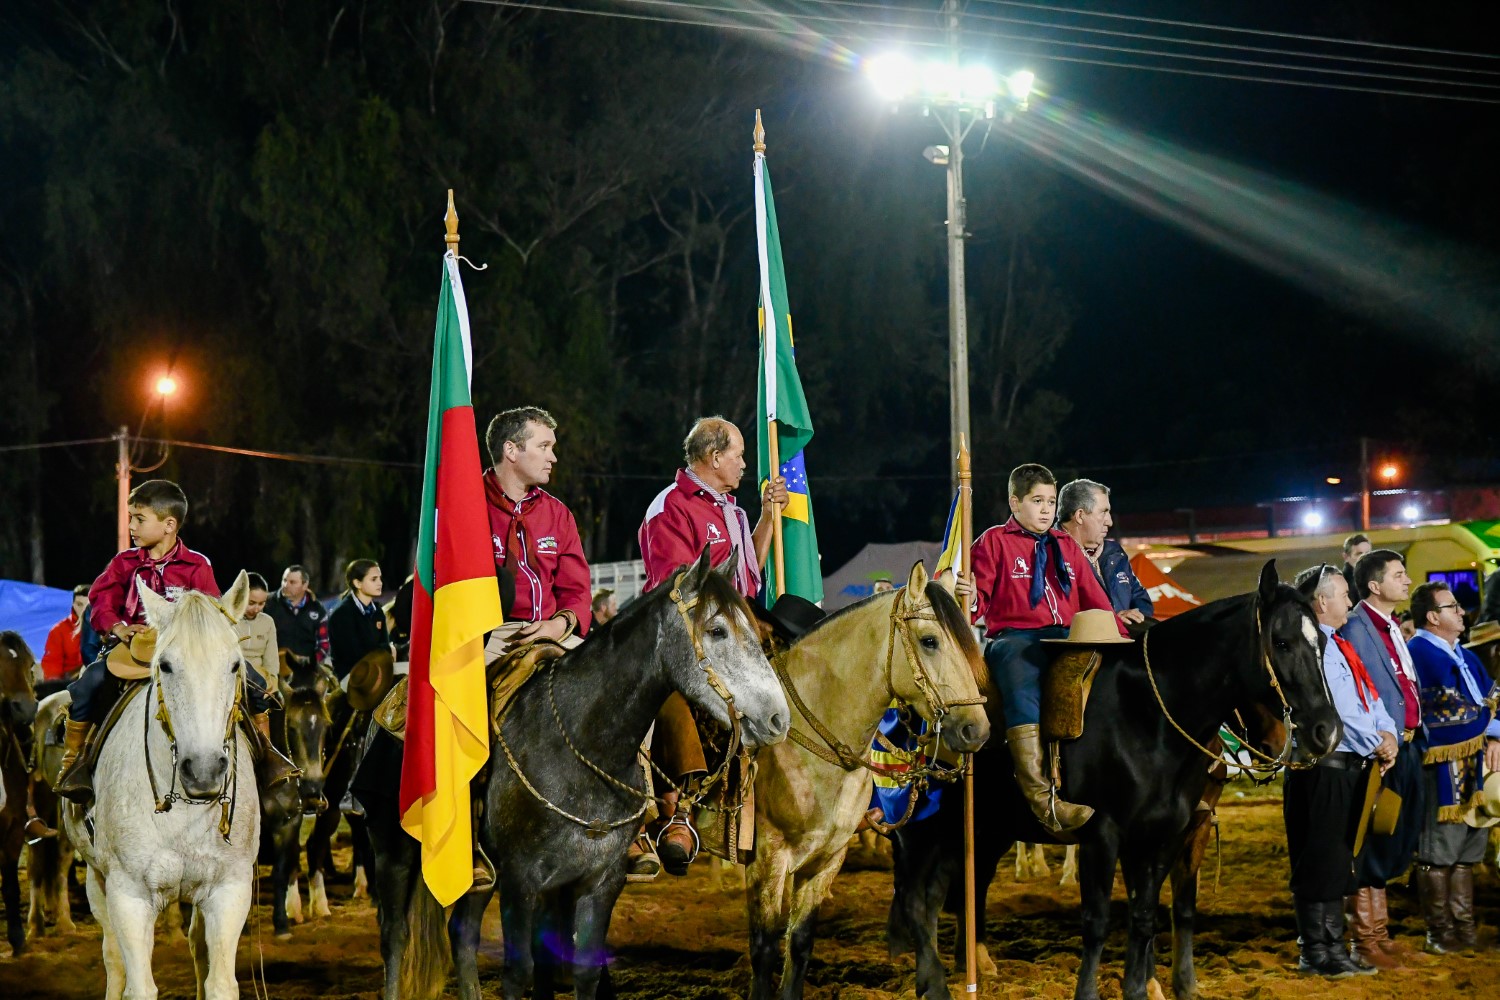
{"points": [[913, 645], [176, 813], [1141, 764], [566, 792], [17, 710]]}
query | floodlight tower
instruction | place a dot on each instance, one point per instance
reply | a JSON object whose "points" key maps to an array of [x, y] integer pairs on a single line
{"points": [[959, 97]]}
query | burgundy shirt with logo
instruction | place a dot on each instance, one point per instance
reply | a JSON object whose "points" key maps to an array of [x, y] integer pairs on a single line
{"points": [[114, 599], [1003, 558], [552, 573], [680, 521]]}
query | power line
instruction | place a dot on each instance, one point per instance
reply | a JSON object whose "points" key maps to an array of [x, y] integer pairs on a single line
{"points": [[54, 444], [1242, 31], [282, 456], [805, 32]]}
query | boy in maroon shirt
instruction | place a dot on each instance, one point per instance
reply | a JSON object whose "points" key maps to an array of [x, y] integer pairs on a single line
{"points": [[1030, 579]]}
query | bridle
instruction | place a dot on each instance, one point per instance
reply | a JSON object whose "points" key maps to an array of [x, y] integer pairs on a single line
{"points": [[596, 828], [229, 790], [838, 753], [1261, 763]]}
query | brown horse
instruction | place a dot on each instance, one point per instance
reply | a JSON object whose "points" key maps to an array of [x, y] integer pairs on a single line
{"points": [[17, 710], [913, 645], [49, 861]]}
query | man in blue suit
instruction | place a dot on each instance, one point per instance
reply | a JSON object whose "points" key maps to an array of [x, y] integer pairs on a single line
{"points": [[1083, 511], [1381, 583]]}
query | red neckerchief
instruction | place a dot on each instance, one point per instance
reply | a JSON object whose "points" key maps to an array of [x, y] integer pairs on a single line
{"points": [[517, 536], [1362, 681]]}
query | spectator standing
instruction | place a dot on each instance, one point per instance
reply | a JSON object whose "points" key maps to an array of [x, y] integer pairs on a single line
{"points": [[1083, 511], [301, 620], [63, 654], [1356, 547], [357, 625]]}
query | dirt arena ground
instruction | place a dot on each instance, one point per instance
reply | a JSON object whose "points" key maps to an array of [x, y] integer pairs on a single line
{"points": [[686, 938]]}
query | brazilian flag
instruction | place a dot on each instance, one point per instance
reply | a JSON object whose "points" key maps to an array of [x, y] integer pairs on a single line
{"points": [[780, 399]]}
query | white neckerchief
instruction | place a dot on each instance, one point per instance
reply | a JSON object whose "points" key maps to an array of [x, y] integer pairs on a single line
{"points": [[1403, 655]]}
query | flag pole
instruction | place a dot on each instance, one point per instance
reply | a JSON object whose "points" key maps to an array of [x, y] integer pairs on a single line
{"points": [[768, 331], [964, 569], [450, 220]]}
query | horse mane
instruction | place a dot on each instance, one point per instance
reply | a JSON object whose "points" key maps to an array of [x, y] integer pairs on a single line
{"points": [[952, 618], [195, 615]]}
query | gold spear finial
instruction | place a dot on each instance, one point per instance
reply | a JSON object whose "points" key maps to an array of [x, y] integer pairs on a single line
{"points": [[451, 221], [760, 134]]}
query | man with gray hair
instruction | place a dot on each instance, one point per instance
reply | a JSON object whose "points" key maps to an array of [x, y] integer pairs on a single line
{"points": [[1083, 511]]}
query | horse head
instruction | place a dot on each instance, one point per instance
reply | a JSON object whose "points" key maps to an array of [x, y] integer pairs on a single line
{"points": [[714, 635], [934, 663], [307, 692], [17, 683], [1291, 656], [198, 673]]}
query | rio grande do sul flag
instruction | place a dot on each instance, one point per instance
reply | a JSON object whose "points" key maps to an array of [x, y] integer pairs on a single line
{"points": [[456, 601], [780, 398]]}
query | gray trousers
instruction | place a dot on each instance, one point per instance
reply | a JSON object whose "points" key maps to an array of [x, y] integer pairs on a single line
{"points": [[1447, 844]]}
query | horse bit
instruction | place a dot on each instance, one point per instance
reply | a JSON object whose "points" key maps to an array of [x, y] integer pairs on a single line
{"points": [[598, 828]]}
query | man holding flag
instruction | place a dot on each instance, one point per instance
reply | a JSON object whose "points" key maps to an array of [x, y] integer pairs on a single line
{"points": [[456, 600]]}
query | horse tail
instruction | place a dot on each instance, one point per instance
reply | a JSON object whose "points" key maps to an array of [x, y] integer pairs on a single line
{"points": [[426, 961]]}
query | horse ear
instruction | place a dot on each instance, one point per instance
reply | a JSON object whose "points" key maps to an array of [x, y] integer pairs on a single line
{"points": [[1268, 582], [701, 568], [916, 583], [286, 667], [946, 579], [158, 609], [237, 598], [728, 566]]}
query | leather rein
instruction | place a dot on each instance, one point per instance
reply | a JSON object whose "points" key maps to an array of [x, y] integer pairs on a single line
{"points": [[1261, 763], [596, 828], [835, 751]]}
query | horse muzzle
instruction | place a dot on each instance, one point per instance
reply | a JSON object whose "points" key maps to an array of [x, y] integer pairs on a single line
{"points": [[768, 724], [202, 775], [966, 728]]}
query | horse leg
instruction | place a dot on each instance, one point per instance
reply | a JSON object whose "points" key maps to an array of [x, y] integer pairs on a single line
{"points": [[222, 913], [319, 843], [593, 906], [922, 881], [1184, 915], [10, 891], [768, 890], [134, 923], [114, 962], [1096, 879], [551, 942], [517, 914], [36, 892], [1143, 880], [198, 949], [809, 893], [62, 905], [294, 892], [284, 848], [1070, 866], [359, 839], [463, 933]]}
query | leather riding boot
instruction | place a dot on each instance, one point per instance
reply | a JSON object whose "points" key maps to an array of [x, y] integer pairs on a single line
{"points": [[1367, 952], [271, 765], [73, 778], [1057, 816], [641, 862], [1433, 885], [1312, 956], [677, 843], [1339, 959], [1387, 942], [1461, 907]]}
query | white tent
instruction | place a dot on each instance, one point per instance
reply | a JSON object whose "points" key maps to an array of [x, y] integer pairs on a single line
{"points": [[855, 579]]}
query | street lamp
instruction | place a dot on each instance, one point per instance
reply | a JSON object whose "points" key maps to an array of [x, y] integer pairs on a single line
{"points": [[164, 386], [959, 97]]}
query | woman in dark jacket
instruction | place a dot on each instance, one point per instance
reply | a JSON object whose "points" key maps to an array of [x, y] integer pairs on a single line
{"points": [[357, 625]]}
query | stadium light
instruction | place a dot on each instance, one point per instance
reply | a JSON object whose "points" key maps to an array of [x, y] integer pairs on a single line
{"points": [[1312, 519], [1410, 512], [1389, 472]]}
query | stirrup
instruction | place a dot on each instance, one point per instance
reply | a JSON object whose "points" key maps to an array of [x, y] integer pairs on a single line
{"points": [[680, 819], [648, 855], [484, 872]]}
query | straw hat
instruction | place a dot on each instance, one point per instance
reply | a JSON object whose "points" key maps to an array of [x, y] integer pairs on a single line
{"points": [[1094, 627], [1484, 632], [131, 661]]}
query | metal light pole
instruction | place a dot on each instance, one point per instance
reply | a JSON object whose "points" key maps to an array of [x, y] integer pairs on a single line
{"points": [[958, 313]]}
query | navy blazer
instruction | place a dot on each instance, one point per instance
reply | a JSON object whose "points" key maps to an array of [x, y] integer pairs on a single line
{"points": [[1371, 649]]}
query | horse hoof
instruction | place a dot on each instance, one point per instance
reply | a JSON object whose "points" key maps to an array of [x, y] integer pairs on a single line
{"points": [[1153, 991], [987, 968], [284, 936]]}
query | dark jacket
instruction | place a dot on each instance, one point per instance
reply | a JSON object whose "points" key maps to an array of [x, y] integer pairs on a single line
{"points": [[1490, 610], [1371, 649], [353, 632], [1120, 583], [297, 629]]}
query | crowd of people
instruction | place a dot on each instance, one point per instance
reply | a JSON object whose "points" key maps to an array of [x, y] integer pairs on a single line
{"points": [[1417, 706]]}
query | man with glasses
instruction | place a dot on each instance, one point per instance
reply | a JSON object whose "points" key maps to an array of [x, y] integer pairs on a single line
{"points": [[1458, 710], [1381, 583]]}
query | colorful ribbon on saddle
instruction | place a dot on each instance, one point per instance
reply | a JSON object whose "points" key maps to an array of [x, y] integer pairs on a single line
{"points": [[892, 796]]}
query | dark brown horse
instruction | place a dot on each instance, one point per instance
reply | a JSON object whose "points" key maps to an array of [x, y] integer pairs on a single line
{"points": [[17, 710]]}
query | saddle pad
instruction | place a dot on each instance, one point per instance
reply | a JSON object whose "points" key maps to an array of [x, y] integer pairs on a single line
{"points": [[508, 674], [1065, 693], [101, 732], [390, 714]]}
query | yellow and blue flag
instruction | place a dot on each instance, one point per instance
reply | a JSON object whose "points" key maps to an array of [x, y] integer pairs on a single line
{"points": [[952, 540]]}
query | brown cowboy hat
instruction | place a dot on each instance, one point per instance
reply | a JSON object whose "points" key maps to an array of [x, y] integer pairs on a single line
{"points": [[1380, 810], [371, 679], [1094, 627], [131, 660], [1483, 633]]}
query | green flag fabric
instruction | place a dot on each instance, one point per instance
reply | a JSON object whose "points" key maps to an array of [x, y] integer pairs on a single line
{"points": [[780, 398]]}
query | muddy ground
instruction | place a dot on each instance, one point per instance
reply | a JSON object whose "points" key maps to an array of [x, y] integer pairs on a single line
{"points": [[687, 938]]}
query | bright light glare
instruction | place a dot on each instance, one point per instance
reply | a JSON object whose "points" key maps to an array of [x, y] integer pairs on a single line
{"points": [[1388, 471], [1333, 480], [942, 80], [166, 385], [1019, 84], [980, 83], [1410, 513], [1312, 519], [892, 75]]}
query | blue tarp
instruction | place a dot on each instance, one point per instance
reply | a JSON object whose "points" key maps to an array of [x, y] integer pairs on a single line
{"points": [[32, 611]]}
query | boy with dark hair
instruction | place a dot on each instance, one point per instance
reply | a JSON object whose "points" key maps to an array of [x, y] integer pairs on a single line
{"points": [[157, 510], [1030, 579]]}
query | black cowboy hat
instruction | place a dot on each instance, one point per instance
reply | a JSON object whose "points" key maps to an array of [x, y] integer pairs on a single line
{"points": [[792, 616]]}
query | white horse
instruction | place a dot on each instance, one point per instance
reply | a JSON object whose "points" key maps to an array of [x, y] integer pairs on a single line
{"points": [[176, 815]]}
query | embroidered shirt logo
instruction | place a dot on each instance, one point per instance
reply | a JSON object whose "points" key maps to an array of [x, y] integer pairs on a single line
{"points": [[1020, 569], [547, 543], [714, 534]]}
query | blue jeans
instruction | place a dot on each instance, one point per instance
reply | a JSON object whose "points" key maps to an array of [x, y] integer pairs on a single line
{"points": [[1016, 659]]}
